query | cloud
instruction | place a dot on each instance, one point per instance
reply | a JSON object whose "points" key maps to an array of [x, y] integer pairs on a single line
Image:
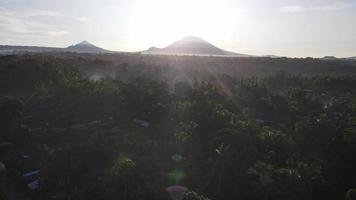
{"points": [[58, 33], [42, 13], [329, 7], [46, 13], [84, 19], [36, 23], [291, 9], [23, 23]]}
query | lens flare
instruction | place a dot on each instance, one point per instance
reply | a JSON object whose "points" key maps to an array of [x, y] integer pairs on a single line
{"points": [[176, 192], [176, 175], [177, 157]]}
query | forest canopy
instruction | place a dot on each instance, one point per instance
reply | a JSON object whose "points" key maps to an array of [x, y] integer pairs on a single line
{"points": [[129, 126]]}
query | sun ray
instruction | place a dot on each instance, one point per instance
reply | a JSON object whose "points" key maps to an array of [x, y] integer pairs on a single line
{"points": [[162, 21]]}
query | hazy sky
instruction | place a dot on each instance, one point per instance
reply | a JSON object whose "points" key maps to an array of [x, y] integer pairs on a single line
{"points": [[297, 28]]}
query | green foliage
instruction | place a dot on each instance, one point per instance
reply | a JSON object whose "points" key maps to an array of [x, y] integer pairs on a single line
{"points": [[351, 194], [298, 100], [122, 165], [2, 169], [190, 195], [11, 112], [264, 172], [350, 133], [241, 132]]}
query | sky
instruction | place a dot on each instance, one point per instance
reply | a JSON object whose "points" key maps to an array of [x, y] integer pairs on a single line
{"points": [[295, 28]]}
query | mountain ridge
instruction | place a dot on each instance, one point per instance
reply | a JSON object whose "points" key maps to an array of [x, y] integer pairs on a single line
{"points": [[192, 45], [81, 47], [85, 46]]}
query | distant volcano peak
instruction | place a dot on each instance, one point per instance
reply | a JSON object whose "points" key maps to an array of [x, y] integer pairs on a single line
{"points": [[193, 39], [192, 45], [85, 46], [85, 43]]}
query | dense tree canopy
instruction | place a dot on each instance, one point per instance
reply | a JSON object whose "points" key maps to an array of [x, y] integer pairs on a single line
{"points": [[221, 135]]}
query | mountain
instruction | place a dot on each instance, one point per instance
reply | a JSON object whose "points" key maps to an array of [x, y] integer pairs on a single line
{"points": [[8, 49], [86, 47], [352, 58], [192, 45], [82, 47], [271, 56], [329, 58]]}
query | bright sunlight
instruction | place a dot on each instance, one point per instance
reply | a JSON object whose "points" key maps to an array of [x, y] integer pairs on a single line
{"points": [[178, 99], [162, 21]]}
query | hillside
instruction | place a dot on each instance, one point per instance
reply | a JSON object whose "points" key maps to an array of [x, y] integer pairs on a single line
{"points": [[82, 47], [192, 45], [87, 47]]}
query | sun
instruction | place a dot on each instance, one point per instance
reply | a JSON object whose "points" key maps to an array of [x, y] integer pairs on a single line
{"points": [[160, 22]]}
